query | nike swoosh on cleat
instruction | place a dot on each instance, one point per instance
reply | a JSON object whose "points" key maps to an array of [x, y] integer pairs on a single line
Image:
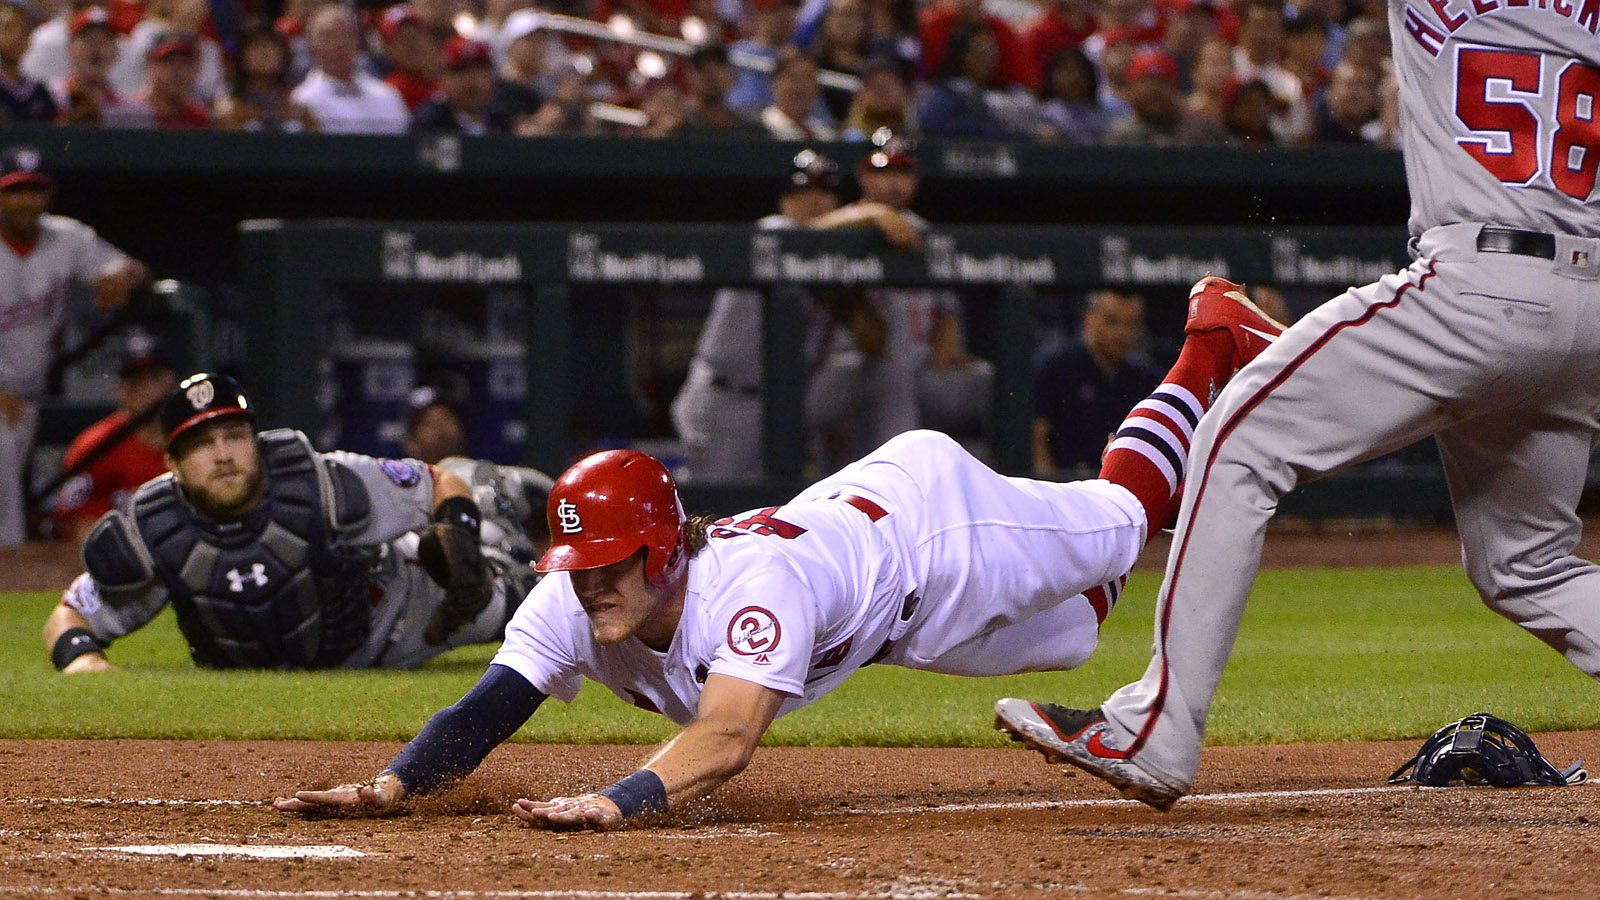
{"points": [[1269, 338], [1099, 749]]}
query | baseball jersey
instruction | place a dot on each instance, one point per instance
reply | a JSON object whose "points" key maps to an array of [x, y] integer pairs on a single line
{"points": [[1498, 104], [110, 481], [33, 295], [793, 598], [401, 500]]}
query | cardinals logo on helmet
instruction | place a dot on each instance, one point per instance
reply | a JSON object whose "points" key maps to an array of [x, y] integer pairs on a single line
{"points": [[567, 512]]}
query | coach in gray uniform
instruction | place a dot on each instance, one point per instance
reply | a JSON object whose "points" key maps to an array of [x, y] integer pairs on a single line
{"points": [[41, 256], [1489, 341], [277, 556]]}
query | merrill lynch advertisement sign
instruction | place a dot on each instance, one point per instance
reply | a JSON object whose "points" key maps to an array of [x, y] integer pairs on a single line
{"points": [[587, 261], [948, 262], [769, 261], [402, 261]]}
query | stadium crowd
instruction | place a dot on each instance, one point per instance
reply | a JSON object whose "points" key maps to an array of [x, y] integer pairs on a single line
{"points": [[1115, 72]]}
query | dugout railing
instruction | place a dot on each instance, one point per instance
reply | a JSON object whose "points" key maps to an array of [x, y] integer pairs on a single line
{"points": [[292, 270]]}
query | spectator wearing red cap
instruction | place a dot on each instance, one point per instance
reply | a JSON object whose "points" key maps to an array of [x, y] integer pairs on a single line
{"points": [[1259, 57], [22, 99], [1157, 117], [939, 23], [46, 57], [971, 99], [122, 451], [464, 103], [164, 18], [260, 98], [169, 84], [794, 114], [414, 53], [342, 98], [84, 96]]}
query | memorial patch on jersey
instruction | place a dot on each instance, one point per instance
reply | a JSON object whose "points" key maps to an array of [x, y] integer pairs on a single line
{"points": [[753, 631], [400, 472]]}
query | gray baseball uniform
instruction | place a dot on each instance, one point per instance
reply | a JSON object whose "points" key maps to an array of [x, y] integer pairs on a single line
{"points": [[34, 287], [1490, 340], [397, 498], [720, 409]]}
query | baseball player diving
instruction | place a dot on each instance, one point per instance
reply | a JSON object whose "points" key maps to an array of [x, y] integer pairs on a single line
{"points": [[1489, 341], [276, 556], [916, 555]]}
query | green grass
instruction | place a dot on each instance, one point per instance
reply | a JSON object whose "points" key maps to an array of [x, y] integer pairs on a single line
{"points": [[1323, 655]]}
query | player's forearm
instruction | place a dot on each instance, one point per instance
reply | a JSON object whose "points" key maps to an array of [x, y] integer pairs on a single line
{"points": [[702, 757], [61, 618], [447, 485], [459, 737], [64, 626]]}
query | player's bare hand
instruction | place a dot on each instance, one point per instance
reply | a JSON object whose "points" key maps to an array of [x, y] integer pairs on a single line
{"points": [[369, 797], [587, 811], [89, 662]]}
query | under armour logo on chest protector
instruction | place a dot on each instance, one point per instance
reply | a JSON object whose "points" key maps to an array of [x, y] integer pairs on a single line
{"points": [[257, 574]]}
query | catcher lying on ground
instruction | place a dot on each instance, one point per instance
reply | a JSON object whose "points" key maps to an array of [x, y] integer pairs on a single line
{"points": [[276, 556], [917, 555]]}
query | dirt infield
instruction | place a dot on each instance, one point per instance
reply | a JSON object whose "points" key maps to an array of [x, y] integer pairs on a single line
{"points": [[1277, 822], [1266, 823]]}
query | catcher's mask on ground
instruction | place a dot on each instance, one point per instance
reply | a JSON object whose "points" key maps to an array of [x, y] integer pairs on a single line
{"points": [[1483, 749], [607, 507]]}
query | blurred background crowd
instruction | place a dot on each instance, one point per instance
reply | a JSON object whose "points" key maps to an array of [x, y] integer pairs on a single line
{"points": [[1112, 72]]}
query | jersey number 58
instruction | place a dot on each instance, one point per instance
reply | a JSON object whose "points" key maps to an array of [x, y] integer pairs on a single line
{"points": [[1501, 97]]}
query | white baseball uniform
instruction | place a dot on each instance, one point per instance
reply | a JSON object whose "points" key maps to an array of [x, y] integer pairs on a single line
{"points": [[1490, 341], [34, 288], [917, 555]]}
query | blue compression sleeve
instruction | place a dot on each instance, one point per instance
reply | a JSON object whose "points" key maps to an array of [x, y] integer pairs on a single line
{"points": [[458, 737]]}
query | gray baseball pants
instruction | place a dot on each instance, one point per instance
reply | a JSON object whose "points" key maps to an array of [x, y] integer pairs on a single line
{"points": [[1496, 354]]}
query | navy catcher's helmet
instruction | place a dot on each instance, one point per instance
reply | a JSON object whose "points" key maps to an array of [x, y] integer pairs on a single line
{"points": [[1482, 749], [201, 398], [811, 169]]}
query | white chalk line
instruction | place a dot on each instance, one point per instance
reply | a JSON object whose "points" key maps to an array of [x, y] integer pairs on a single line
{"points": [[254, 851], [1190, 800], [592, 894], [576, 894]]}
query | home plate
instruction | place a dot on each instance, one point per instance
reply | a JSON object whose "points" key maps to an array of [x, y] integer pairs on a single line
{"points": [[259, 851]]}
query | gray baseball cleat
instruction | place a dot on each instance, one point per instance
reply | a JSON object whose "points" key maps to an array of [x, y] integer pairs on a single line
{"points": [[1073, 736]]}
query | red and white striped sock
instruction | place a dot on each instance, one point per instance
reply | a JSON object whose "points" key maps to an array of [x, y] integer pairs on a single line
{"points": [[1150, 451]]}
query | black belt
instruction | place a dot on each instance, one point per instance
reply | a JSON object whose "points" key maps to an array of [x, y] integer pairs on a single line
{"points": [[723, 384], [1494, 239]]}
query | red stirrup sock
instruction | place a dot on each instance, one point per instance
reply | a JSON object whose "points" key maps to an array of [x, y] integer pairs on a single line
{"points": [[1150, 450]]}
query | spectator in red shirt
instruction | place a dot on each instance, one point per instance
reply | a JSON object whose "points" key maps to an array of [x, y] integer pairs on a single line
{"points": [[939, 22], [170, 71], [414, 51], [1065, 23], [135, 454]]}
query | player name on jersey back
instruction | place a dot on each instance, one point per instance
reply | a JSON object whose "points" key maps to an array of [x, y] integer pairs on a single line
{"points": [[1500, 102]]}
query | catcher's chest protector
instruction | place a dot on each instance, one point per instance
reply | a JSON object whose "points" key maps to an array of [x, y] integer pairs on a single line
{"points": [[270, 590]]}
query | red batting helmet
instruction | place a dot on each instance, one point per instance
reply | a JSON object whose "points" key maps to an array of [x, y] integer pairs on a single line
{"points": [[606, 507]]}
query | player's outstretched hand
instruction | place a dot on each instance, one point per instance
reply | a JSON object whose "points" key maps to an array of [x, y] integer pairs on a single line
{"points": [[89, 662], [588, 811], [367, 798]]}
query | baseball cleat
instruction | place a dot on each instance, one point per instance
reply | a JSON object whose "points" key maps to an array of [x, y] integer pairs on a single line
{"points": [[1074, 736], [1219, 303]]}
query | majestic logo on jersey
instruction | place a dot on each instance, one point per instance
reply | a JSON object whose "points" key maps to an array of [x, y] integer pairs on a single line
{"points": [[567, 512], [753, 632], [201, 395], [257, 574], [400, 472]]}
